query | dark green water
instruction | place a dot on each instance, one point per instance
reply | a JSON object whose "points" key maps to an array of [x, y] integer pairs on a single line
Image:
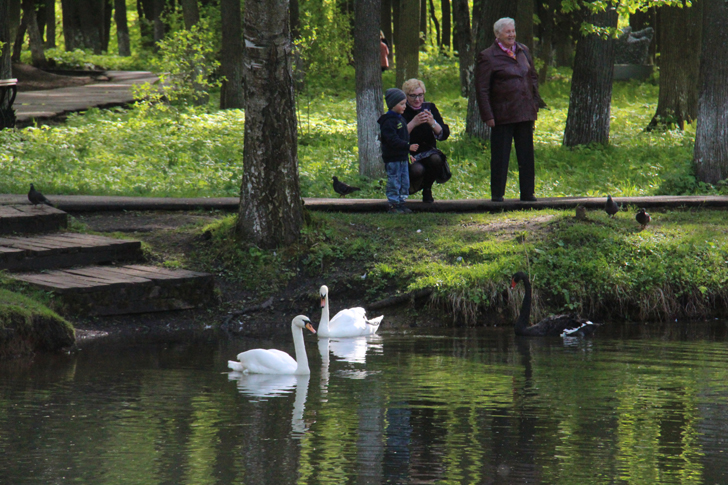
{"points": [[635, 405]]}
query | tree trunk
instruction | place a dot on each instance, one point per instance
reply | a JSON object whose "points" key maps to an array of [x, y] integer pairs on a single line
{"points": [[463, 43], [122, 28], [190, 12], [35, 41], [446, 25], [295, 20], [524, 22], [6, 44], [368, 86], [108, 10], [145, 11], [591, 86], [19, 39], [711, 136], [158, 23], [423, 22], [271, 210], [83, 23], [485, 14], [546, 12], [680, 32], [231, 62], [50, 24], [436, 22], [408, 42]]}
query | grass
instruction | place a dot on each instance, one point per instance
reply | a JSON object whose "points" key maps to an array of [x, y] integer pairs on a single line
{"points": [[186, 152]]}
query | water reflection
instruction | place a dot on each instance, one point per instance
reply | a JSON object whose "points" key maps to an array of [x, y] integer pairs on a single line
{"points": [[353, 350], [632, 406]]}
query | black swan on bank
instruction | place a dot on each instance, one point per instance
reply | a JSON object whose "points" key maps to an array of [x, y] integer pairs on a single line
{"points": [[553, 326]]}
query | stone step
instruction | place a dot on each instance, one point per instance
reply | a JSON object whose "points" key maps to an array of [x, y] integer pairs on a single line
{"points": [[28, 219], [120, 290], [65, 250]]}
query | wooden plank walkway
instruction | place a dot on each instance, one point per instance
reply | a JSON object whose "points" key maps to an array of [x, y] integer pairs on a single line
{"points": [[31, 220], [64, 251], [118, 290]]}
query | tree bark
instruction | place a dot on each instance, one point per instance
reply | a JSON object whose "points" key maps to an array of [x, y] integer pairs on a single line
{"points": [[711, 136], [591, 86], [108, 9], [19, 39], [436, 22], [122, 28], [83, 24], [158, 23], [271, 209], [6, 40], [463, 43], [408, 46], [423, 21], [445, 40], [680, 31], [485, 14], [35, 40], [190, 12], [231, 62], [50, 24], [368, 86]]}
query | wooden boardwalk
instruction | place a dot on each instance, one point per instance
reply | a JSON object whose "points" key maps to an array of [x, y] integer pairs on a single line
{"points": [[67, 264]]}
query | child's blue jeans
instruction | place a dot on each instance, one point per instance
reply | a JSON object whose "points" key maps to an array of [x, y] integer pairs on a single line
{"points": [[397, 182]]}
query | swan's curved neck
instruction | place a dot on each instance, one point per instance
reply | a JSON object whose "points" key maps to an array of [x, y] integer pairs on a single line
{"points": [[300, 348], [323, 329], [525, 316]]}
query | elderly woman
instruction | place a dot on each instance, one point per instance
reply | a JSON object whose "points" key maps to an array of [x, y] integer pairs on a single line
{"points": [[506, 87], [425, 127]]}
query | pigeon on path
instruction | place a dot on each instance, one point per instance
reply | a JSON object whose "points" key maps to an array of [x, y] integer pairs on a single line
{"points": [[643, 218], [611, 207], [342, 189], [36, 197]]}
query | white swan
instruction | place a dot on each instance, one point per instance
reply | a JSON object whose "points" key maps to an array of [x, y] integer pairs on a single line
{"points": [[351, 322], [272, 361]]}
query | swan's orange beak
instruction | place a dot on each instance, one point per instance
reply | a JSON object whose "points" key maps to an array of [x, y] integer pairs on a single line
{"points": [[513, 284], [310, 327]]}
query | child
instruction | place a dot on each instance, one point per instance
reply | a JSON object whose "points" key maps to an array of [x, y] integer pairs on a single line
{"points": [[395, 150]]}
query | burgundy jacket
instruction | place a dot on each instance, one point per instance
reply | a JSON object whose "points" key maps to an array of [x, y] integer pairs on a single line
{"points": [[506, 88]]}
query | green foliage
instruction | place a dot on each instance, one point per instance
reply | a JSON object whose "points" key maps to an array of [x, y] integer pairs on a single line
{"points": [[85, 60]]}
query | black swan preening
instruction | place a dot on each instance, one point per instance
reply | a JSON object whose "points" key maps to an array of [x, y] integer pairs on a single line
{"points": [[553, 326]]}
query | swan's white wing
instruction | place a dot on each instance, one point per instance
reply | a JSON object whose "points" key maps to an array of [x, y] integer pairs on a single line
{"points": [[351, 322], [271, 361], [375, 321]]}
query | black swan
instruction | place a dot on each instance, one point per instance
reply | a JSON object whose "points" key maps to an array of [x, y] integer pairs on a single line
{"points": [[643, 218], [611, 207], [553, 326]]}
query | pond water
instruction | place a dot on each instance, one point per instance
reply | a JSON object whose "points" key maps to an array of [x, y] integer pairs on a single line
{"points": [[636, 405]]}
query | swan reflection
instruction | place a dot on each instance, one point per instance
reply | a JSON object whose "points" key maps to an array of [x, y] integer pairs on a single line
{"points": [[266, 386], [353, 350]]}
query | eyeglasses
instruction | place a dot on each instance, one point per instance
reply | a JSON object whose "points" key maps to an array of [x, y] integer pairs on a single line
{"points": [[416, 96]]}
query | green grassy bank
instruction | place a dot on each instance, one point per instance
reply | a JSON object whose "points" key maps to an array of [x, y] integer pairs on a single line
{"points": [[605, 269]]}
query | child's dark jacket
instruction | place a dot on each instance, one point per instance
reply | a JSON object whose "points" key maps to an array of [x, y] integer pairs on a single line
{"points": [[394, 137]]}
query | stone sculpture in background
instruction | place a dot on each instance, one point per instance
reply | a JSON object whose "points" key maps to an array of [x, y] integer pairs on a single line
{"points": [[633, 47]]}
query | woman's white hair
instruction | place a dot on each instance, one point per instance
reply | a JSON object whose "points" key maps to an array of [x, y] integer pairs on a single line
{"points": [[501, 23]]}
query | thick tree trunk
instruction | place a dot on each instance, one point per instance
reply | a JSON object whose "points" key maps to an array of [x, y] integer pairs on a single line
{"points": [[408, 46], [446, 25], [35, 41], [485, 14], [591, 86], [271, 210], [680, 31], [368, 86], [50, 24], [83, 24], [190, 12], [122, 28], [463, 42], [231, 63], [524, 22], [6, 44], [711, 136]]}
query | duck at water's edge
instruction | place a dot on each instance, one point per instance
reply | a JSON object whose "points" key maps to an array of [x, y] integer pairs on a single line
{"points": [[553, 326]]}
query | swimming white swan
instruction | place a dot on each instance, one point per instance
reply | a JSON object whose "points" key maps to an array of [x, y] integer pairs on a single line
{"points": [[351, 322], [272, 361]]}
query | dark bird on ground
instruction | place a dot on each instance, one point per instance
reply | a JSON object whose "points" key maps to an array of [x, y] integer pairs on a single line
{"points": [[342, 189], [36, 197], [611, 207], [553, 326], [643, 218]]}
